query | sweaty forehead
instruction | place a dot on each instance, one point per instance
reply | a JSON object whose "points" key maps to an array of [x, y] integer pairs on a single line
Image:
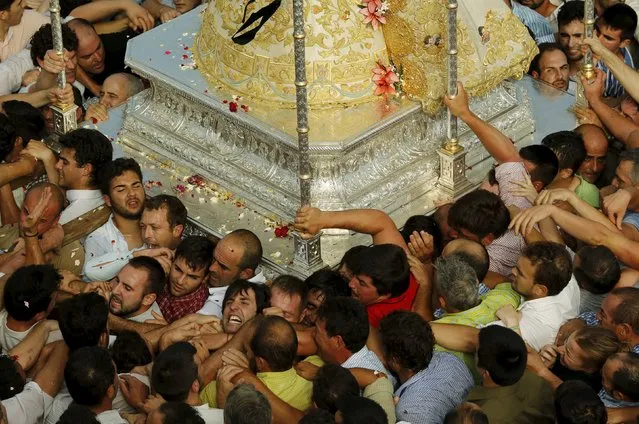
{"points": [[155, 216]]}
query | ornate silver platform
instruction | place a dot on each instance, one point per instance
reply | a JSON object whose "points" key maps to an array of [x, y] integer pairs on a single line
{"points": [[379, 155]]}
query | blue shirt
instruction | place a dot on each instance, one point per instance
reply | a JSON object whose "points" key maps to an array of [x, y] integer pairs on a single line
{"points": [[632, 218], [614, 87], [610, 402], [367, 359], [535, 22], [427, 396]]}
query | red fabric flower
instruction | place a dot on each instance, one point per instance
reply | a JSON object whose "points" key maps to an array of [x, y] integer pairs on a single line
{"points": [[180, 188], [385, 78], [233, 106], [281, 232], [373, 13]]}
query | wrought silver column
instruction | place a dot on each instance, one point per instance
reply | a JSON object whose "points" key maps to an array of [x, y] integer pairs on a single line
{"points": [[64, 115], [588, 67], [308, 254], [452, 156]]}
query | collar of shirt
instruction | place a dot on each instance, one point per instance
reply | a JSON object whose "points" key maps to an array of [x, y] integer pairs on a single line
{"points": [[7, 39], [357, 358], [83, 194]]}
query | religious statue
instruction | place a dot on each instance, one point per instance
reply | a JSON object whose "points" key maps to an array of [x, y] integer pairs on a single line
{"points": [[358, 49]]}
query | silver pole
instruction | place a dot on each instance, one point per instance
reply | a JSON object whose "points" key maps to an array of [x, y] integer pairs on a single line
{"points": [[452, 144], [452, 157], [64, 116], [308, 254], [588, 69]]}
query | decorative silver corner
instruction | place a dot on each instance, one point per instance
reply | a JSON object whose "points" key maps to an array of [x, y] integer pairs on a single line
{"points": [[64, 118], [452, 172]]}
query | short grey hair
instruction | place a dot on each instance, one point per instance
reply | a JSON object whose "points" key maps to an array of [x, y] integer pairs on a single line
{"points": [[632, 155], [457, 282], [245, 405], [134, 84]]}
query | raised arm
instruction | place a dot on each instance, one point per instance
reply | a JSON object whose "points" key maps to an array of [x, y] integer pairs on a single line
{"points": [[28, 350], [458, 338], [627, 76], [51, 376], [378, 224], [497, 144]]}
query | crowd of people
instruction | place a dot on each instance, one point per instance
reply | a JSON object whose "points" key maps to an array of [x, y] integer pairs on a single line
{"points": [[516, 303]]}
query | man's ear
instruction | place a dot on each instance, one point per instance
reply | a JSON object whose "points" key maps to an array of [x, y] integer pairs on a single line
{"points": [[247, 274], [535, 74], [40, 61], [488, 239], [87, 170], [107, 199], [178, 230], [540, 290], [539, 186], [564, 174], [442, 302], [624, 44], [149, 299], [195, 387]]}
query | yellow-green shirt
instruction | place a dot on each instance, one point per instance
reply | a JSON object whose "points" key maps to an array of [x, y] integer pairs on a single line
{"points": [[482, 314], [286, 385], [588, 192]]}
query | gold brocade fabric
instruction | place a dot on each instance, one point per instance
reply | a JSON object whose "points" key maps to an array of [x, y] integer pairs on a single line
{"points": [[341, 51], [492, 45]]}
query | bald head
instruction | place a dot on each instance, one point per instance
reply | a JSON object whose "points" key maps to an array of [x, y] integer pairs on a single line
{"points": [[118, 88], [471, 252], [250, 245], [274, 345], [596, 144], [51, 212]]}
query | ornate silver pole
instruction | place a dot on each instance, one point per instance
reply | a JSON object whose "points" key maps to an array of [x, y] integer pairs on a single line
{"points": [[308, 255], [588, 68], [452, 157], [64, 115]]}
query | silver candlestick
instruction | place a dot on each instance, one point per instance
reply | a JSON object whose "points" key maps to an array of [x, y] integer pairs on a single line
{"points": [[308, 253], [64, 115], [452, 156]]}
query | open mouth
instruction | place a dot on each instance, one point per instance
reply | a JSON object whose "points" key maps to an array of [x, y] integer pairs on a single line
{"points": [[234, 319]]}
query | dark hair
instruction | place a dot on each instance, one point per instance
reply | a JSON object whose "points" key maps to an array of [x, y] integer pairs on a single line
{"points": [[317, 416], [331, 383], [463, 414], [245, 405], [243, 286], [155, 273], [180, 413], [5, 4], [631, 155], [569, 12], [91, 147], [42, 41], [78, 414], [502, 353], [481, 213], [129, 351], [399, 331], [329, 282], [197, 251], [30, 290], [20, 119], [545, 161], [275, 341], [358, 410], [176, 213], [252, 248], [543, 49], [114, 169], [553, 266], [626, 379], [88, 375], [577, 403], [569, 148], [174, 372], [350, 255], [619, 16], [347, 318], [83, 319], [12, 381], [423, 223], [386, 265], [597, 270], [627, 311], [291, 286]]}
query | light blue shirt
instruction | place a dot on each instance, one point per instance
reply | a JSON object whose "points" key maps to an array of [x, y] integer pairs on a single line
{"points": [[427, 396], [537, 23]]}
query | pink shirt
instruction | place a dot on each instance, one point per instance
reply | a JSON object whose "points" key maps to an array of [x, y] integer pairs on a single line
{"points": [[19, 36], [505, 251]]}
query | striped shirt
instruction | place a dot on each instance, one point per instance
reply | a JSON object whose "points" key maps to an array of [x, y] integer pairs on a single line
{"points": [[535, 22], [367, 359], [426, 397], [614, 87]]}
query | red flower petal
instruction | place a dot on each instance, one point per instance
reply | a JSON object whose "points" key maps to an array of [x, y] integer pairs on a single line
{"points": [[233, 107], [168, 52]]}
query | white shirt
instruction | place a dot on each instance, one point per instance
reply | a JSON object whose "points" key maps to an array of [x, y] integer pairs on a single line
{"points": [[10, 338], [80, 202], [210, 415], [214, 303], [12, 71], [106, 252], [541, 318], [76, 84], [119, 402], [110, 417], [28, 406], [147, 315]]}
